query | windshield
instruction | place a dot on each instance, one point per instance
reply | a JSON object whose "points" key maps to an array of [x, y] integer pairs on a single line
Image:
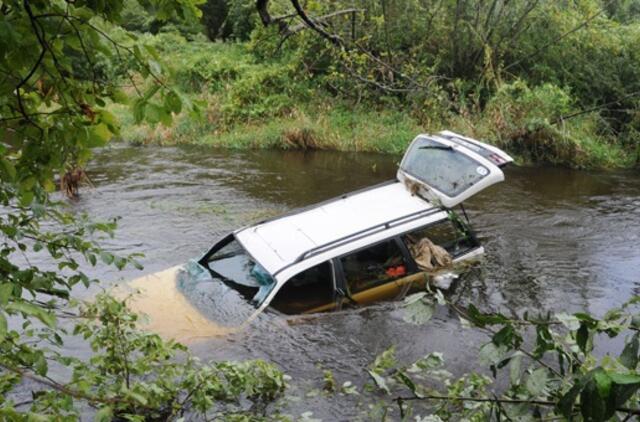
{"points": [[233, 265], [442, 167], [230, 290]]}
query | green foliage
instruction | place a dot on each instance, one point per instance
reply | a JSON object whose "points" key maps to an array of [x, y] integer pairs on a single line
{"points": [[528, 121], [524, 76], [551, 369], [53, 111], [134, 375]]}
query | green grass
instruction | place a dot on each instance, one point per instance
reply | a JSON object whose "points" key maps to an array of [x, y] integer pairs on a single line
{"points": [[251, 103]]}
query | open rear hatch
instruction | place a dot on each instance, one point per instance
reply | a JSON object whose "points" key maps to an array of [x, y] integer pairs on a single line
{"points": [[448, 168]]}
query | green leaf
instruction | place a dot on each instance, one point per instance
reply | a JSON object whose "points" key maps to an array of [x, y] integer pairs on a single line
{"points": [[40, 365], [4, 328], [536, 382], [139, 110], [32, 310], [172, 102], [569, 321], [165, 117], [7, 170], [507, 336], [582, 337], [481, 320], [404, 378], [151, 92], [380, 381], [26, 197], [385, 360], [592, 405], [106, 257], [99, 135], [629, 355], [622, 379], [514, 368], [153, 113], [119, 262], [624, 386], [566, 402], [418, 312], [105, 414], [6, 290], [138, 397], [155, 67], [120, 96], [596, 401]]}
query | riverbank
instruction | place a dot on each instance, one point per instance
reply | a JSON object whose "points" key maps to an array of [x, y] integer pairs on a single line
{"points": [[249, 102]]}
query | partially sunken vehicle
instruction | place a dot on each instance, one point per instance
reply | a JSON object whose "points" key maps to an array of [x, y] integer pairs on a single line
{"points": [[365, 246]]}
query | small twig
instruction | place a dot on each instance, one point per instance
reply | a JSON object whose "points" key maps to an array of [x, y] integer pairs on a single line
{"points": [[545, 403]]}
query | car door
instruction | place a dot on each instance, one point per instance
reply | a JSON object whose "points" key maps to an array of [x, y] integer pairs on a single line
{"points": [[310, 291], [448, 168], [373, 273]]}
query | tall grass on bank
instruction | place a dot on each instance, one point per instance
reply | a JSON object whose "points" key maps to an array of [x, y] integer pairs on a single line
{"points": [[250, 102]]}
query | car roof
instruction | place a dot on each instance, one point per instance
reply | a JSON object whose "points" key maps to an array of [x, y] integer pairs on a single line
{"points": [[331, 228]]}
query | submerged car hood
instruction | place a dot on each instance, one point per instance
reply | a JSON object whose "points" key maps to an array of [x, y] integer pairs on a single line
{"points": [[186, 304]]}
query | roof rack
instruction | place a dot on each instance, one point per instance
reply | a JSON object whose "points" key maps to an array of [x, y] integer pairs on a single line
{"points": [[367, 232]]}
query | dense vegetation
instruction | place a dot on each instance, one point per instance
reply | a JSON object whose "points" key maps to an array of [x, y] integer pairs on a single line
{"points": [[549, 81]]}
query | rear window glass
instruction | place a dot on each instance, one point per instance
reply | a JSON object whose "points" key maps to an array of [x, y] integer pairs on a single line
{"points": [[442, 167]]}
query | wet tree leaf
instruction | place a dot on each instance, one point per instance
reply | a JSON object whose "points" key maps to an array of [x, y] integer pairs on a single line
{"points": [[597, 400], [629, 355], [569, 321], [481, 320], [566, 402], [380, 381], [582, 337], [514, 368], [105, 414], [418, 312], [3, 326], [536, 382], [385, 360], [406, 380]]}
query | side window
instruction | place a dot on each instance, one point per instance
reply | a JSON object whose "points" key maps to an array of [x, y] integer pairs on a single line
{"points": [[443, 234], [373, 266], [307, 291]]}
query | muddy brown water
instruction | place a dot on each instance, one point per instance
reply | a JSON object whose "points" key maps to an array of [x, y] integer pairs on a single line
{"points": [[555, 239]]}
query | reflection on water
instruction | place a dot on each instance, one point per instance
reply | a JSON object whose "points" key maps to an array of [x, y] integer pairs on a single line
{"points": [[555, 239]]}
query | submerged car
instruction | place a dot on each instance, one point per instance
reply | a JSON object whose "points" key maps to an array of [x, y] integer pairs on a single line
{"points": [[369, 245]]}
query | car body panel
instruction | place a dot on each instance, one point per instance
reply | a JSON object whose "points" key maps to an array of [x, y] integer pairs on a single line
{"points": [[278, 244]]}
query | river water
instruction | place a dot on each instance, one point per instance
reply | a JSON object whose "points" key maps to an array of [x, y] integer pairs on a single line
{"points": [[555, 239]]}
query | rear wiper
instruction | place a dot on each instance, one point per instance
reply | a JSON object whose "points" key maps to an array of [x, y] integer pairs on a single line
{"points": [[444, 147]]}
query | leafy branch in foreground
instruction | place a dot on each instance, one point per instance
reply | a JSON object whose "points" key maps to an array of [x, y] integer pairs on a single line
{"points": [[53, 99], [53, 89], [137, 376], [553, 371]]}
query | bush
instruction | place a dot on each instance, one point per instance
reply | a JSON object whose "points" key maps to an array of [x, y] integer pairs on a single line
{"points": [[529, 122]]}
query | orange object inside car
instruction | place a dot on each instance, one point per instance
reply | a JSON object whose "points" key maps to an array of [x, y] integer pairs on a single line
{"points": [[398, 271]]}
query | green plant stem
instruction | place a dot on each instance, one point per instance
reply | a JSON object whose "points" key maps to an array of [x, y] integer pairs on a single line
{"points": [[545, 403]]}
